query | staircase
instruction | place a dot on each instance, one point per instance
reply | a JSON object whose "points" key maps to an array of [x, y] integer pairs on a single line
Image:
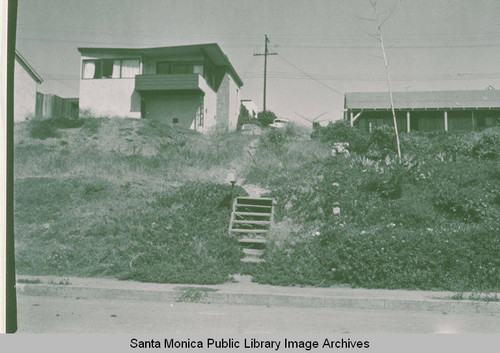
{"points": [[250, 222]]}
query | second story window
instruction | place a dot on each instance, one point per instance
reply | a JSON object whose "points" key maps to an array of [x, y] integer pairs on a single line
{"points": [[110, 68], [174, 68]]}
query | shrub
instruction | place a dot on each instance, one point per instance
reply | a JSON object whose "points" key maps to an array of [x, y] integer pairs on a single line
{"points": [[383, 140], [42, 129], [266, 117], [341, 131], [488, 145], [243, 117], [452, 258], [65, 123]]}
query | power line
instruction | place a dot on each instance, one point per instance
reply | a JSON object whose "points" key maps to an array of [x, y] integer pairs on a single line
{"points": [[311, 77]]}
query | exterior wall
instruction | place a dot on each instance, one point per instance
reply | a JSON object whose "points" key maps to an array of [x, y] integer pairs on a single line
{"points": [[114, 97], [24, 93], [251, 107], [210, 105], [431, 120], [170, 105], [228, 104], [234, 104], [380, 119]]}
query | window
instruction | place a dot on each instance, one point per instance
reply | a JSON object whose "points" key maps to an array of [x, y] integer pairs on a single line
{"points": [[130, 68], [110, 68], [162, 68], [182, 68], [175, 120], [107, 68], [178, 68]]}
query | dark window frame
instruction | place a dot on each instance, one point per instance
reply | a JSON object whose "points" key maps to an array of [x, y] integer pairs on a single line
{"points": [[101, 68], [177, 62]]}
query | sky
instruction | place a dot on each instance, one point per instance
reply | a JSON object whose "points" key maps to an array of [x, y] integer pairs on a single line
{"points": [[325, 47]]}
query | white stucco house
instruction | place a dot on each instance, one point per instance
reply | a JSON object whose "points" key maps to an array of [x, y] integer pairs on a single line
{"points": [[251, 107], [191, 86], [26, 85]]}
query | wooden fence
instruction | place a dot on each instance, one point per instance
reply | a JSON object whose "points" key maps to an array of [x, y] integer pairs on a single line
{"points": [[53, 106]]}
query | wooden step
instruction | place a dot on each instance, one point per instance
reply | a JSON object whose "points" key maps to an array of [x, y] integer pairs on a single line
{"points": [[253, 252], [252, 260], [254, 198], [251, 221], [251, 214], [254, 201], [248, 230], [254, 206], [256, 240]]}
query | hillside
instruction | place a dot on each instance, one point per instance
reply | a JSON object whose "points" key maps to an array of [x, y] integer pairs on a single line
{"points": [[134, 199], [124, 198]]}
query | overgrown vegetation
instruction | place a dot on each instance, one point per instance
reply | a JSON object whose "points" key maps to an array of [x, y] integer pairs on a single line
{"points": [[429, 222], [138, 199], [131, 199]]}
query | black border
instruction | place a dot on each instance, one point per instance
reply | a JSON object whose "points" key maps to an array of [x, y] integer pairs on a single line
{"points": [[10, 285]]}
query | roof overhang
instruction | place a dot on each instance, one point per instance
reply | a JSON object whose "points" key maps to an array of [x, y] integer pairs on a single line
{"points": [[211, 50], [423, 100], [31, 71]]}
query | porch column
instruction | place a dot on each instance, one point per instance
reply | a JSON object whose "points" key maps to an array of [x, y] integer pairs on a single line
{"points": [[370, 127], [446, 121], [352, 119], [408, 121], [473, 122]]}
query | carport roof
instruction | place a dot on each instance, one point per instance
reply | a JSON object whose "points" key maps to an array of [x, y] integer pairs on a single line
{"points": [[423, 100]]}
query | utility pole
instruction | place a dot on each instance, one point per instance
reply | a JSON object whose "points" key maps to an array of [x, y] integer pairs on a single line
{"points": [[266, 53]]}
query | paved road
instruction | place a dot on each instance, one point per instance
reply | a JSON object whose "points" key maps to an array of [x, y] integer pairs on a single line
{"points": [[63, 315]]}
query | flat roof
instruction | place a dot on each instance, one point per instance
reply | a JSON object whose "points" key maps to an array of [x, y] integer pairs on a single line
{"points": [[212, 50], [424, 100]]}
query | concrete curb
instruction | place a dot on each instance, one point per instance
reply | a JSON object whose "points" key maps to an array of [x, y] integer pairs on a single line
{"points": [[254, 294]]}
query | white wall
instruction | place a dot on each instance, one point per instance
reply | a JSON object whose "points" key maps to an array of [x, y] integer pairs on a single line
{"points": [[110, 97], [234, 104], [251, 107], [24, 93], [114, 97], [210, 103], [167, 106]]}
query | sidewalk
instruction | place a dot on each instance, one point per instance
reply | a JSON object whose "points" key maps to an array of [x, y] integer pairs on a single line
{"points": [[248, 293]]}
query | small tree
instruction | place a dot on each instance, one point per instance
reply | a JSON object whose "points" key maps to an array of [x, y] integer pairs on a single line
{"points": [[244, 117], [266, 117]]}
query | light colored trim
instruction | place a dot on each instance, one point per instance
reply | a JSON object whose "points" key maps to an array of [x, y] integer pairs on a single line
{"points": [[357, 116], [446, 121], [28, 67], [408, 121]]}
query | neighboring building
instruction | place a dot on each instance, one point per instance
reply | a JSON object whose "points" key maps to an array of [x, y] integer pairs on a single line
{"points": [[26, 83], [193, 86], [54, 106], [425, 111], [251, 107]]}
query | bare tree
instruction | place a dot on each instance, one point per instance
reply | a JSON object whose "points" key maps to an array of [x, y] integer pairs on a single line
{"points": [[380, 22]]}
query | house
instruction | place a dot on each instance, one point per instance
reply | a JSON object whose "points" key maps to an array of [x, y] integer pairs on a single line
{"points": [[424, 111], [251, 107], [26, 85], [191, 86]]}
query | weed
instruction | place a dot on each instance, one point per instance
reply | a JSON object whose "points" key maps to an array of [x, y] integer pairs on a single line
{"points": [[192, 294], [42, 129], [29, 281]]}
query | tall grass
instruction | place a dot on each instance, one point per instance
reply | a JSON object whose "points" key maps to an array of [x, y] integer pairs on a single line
{"points": [[127, 199]]}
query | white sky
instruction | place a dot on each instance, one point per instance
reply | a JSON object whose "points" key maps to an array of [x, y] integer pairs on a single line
{"points": [[432, 44]]}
